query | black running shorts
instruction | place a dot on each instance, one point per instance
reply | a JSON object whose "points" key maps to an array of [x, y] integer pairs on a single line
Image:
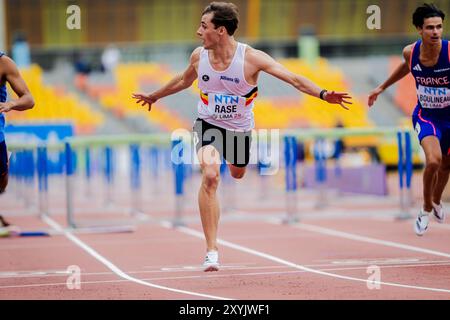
{"points": [[234, 146]]}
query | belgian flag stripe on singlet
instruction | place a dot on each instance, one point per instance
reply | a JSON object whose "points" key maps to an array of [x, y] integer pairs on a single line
{"points": [[251, 96], [204, 97]]}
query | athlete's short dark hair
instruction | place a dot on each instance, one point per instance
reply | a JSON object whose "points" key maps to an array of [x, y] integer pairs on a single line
{"points": [[426, 11], [225, 14]]}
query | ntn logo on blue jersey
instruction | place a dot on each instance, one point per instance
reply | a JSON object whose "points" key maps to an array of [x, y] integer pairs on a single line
{"points": [[436, 91]]}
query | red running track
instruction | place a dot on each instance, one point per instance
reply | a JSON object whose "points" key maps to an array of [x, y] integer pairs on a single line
{"points": [[317, 259]]}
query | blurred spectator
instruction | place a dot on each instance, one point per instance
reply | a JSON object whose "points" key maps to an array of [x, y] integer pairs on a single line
{"points": [[82, 69], [81, 64], [110, 58], [21, 51], [300, 151], [339, 145]]}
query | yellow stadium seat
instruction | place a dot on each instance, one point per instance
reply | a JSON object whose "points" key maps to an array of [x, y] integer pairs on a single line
{"points": [[52, 104]]}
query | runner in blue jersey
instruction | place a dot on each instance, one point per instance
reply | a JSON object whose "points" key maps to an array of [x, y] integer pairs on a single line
{"points": [[428, 60], [9, 73]]}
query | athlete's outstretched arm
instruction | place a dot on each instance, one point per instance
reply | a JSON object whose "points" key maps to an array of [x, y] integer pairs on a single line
{"points": [[179, 82], [266, 63], [401, 71], [12, 76]]}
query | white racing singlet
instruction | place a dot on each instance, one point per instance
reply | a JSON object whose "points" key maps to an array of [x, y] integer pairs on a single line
{"points": [[226, 99]]}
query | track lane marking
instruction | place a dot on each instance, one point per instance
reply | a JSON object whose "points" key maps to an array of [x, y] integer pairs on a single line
{"points": [[114, 268], [355, 237], [260, 254], [219, 275]]}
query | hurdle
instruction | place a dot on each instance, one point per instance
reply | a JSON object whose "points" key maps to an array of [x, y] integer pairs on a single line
{"points": [[290, 161], [135, 181], [74, 146], [320, 171], [42, 170], [291, 137], [24, 165], [106, 144], [179, 173], [405, 169], [31, 158]]}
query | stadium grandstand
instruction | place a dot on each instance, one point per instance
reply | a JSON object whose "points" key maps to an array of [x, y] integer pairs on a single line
{"points": [[156, 42], [72, 85]]}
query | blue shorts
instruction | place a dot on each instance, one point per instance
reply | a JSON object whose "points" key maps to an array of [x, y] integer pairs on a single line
{"points": [[3, 158], [430, 122]]}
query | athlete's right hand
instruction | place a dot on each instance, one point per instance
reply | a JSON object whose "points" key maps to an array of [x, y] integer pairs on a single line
{"points": [[5, 107], [144, 99], [374, 95]]}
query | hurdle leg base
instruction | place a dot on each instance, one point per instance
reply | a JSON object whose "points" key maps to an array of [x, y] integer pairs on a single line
{"points": [[290, 220], [403, 216], [178, 223]]}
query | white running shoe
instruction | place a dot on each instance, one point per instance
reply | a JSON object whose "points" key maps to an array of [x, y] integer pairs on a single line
{"points": [[421, 222], [211, 261], [438, 213]]}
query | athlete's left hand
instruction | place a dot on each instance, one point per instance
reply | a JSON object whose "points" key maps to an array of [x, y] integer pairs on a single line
{"points": [[337, 98], [5, 107], [144, 99]]}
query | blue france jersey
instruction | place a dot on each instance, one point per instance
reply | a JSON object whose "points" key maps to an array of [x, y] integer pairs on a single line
{"points": [[3, 97], [432, 83]]}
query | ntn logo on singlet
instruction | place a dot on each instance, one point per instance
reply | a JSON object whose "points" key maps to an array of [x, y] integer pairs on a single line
{"points": [[435, 91], [222, 98]]}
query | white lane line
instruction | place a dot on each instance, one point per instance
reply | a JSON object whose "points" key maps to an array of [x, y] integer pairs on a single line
{"points": [[358, 264], [231, 275], [307, 214], [59, 284], [33, 273], [114, 268], [442, 226], [263, 255], [350, 236]]}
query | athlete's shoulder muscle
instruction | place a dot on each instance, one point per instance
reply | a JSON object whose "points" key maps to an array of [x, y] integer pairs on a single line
{"points": [[7, 65], [195, 56], [194, 61], [258, 59], [7, 68], [11, 74]]}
